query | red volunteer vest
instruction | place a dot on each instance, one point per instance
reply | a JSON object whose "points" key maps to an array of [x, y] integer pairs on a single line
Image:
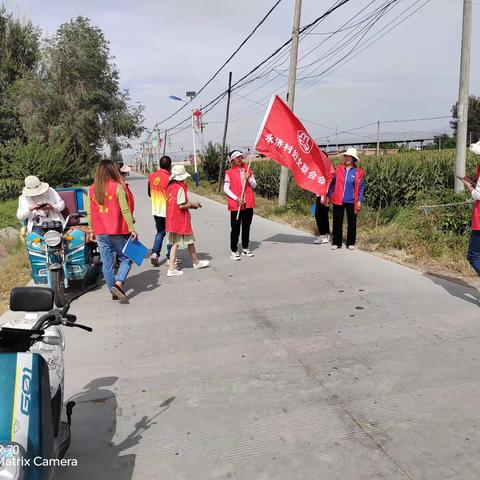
{"points": [[476, 210], [159, 180], [236, 187], [107, 219], [337, 196], [178, 221]]}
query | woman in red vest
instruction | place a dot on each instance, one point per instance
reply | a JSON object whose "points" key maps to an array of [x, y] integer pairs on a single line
{"points": [[473, 186], [179, 225], [111, 222], [235, 179], [346, 192]]}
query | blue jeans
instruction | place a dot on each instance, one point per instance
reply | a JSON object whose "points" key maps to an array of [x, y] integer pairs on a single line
{"points": [[110, 247], [160, 235], [473, 255]]}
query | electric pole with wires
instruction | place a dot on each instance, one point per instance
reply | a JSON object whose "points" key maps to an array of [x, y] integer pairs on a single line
{"points": [[292, 77]]}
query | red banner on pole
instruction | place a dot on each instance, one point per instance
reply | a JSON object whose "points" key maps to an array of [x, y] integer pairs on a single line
{"points": [[283, 138]]}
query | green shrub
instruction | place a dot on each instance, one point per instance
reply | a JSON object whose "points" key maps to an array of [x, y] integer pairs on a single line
{"points": [[10, 189], [211, 158]]}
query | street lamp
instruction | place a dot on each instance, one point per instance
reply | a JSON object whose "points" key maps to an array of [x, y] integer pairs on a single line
{"points": [[191, 95]]}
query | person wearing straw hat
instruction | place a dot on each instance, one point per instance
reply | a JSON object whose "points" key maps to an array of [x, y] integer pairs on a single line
{"points": [[38, 203], [346, 193], [473, 186], [238, 187], [179, 225]]}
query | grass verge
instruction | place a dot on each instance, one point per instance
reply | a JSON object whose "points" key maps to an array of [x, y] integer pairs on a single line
{"points": [[420, 239]]}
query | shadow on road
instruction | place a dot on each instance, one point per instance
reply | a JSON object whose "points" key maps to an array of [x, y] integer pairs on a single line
{"points": [[286, 238], [455, 287], [145, 281], [93, 429]]}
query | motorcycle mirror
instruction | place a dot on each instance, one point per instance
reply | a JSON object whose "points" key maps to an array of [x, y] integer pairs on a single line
{"points": [[56, 341]]}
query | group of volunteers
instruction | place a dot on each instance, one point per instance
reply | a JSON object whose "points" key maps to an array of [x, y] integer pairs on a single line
{"points": [[111, 205]]}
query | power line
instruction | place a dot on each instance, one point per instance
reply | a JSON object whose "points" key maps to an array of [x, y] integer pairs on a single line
{"points": [[262, 21]]}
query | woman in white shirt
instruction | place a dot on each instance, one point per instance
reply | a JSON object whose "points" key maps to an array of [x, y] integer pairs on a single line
{"points": [[39, 203]]}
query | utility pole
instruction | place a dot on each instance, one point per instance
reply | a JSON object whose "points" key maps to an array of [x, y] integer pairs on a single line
{"points": [[378, 138], [158, 148], [165, 142], [292, 77], [223, 153], [463, 90]]}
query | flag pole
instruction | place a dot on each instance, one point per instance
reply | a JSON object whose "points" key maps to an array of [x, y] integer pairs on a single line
{"points": [[195, 176], [253, 149]]}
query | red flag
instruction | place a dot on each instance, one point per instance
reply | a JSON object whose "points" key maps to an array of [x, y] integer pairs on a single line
{"points": [[283, 138]]}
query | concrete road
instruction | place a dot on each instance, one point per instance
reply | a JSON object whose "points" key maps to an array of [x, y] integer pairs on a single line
{"points": [[300, 363]]}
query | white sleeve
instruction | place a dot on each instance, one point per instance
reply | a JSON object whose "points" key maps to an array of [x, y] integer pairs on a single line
{"points": [[57, 203], [226, 189], [252, 181], [476, 191], [23, 211]]}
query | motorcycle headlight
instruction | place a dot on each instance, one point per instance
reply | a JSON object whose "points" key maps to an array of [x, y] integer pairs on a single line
{"points": [[12, 462], [52, 238]]}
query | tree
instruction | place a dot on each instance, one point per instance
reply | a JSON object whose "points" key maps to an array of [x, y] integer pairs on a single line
{"points": [[77, 94], [473, 118], [19, 55]]}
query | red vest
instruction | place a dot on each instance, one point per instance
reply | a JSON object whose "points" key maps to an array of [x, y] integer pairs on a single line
{"points": [[178, 220], [476, 209], [236, 186], [337, 196], [159, 180], [107, 219]]}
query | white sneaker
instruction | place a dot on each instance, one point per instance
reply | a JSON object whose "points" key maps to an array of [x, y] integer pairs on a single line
{"points": [[174, 273], [326, 239], [351, 247], [318, 240], [235, 256], [201, 264], [334, 247], [247, 252]]}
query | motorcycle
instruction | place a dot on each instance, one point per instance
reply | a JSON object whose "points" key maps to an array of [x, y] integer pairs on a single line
{"points": [[34, 422], [60, 255]]}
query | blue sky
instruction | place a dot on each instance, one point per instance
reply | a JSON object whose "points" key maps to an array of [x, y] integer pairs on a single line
{"points": [[170, 46]]}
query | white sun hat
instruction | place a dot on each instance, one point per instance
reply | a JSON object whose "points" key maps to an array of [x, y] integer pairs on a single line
{"points": [[179, 173], [34, 187], [351, 152], [475, 148], [235, 154], [125, 168]]}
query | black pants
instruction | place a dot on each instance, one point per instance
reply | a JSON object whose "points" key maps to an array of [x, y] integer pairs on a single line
{"points": [[321, 217], [243, 222], [338, 212]]}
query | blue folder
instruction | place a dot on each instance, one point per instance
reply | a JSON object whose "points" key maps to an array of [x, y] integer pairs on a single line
{"points": [[135, 251], [313, 209]]}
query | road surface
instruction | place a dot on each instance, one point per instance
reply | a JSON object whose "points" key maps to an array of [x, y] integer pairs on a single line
{"points": [[300, 363]]}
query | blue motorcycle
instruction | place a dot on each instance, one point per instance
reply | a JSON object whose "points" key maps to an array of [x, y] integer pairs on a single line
{"points": [[61, 253], [34, 422]]}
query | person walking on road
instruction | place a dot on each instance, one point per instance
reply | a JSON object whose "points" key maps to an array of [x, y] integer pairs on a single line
{"points": [[179, 225], [473, 186], [111, 223], [157, 191], [125, 172], [346, 192], [239, 181]]}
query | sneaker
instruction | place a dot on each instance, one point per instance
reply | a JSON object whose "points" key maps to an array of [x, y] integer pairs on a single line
{"points": [[318, 240], [351, 247], [325, 239], [235, 256], [174, 273], [247, 252], [335, 247], [154, 260], [118, 291], [201, 264]]}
